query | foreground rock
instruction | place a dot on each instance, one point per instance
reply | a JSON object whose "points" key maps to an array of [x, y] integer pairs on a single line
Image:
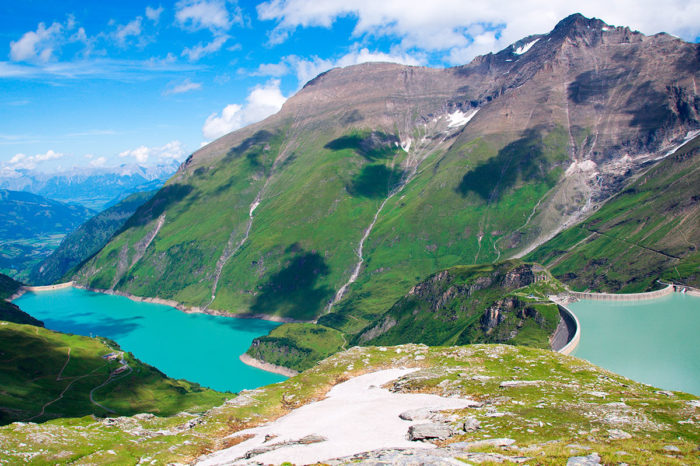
{"points": [[428, 432]]}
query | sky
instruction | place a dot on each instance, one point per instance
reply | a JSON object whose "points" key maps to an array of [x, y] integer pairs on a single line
{"points": [[98, 84]]}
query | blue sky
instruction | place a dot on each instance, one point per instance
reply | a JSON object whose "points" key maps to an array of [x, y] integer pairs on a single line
{"points": [[88, 83]]}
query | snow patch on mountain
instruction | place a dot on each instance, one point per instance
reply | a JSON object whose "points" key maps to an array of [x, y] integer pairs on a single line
{"points": [[460, 118], [524, 48]]}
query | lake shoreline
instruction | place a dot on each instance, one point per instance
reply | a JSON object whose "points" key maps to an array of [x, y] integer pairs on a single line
{"points": [[192, 309], [195, 347], [266, 366]]}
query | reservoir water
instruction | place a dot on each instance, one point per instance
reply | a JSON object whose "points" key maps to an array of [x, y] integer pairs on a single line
{"points": [[654, 341], [197, 347]]}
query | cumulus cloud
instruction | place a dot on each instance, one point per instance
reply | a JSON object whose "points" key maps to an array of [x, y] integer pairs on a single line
{"points": [[172, 150], [205, 14], [97, 161], [154, 13], [200, 50], [263, 101], [271, 69], [31, 161], [465, 29], [185, 86], [132, 28], [37, 45], [308, 68]]}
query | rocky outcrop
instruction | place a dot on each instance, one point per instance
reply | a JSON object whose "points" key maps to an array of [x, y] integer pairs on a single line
{"points": [[480, 297]]}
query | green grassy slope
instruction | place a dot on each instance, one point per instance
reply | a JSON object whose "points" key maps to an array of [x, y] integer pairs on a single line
{"points": [[299, 248], [573, 408], [650, 231], [46, 375], [499, 303], [89, 238], [10, 312], [8, 286], [480, 188], [297, 346]]}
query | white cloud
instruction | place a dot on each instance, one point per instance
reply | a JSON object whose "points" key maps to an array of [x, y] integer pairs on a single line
{"points": [[271, 69], [185, 86], [98, 162], [132, 28], [154, 13], [200, 50], [30, 161], [172, 150], [308, 68], [105, 68], [464, 29], [202, 14], [262, 102], [36, 45]]}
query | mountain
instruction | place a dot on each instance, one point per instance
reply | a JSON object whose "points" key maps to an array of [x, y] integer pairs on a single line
{"points": [[31, 226], [526, 406], [648, 231], [95, 188], [374, 177], [89, 238]]}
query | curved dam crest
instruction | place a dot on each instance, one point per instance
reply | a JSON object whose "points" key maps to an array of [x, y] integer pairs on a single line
{"points": [[198, 347]]}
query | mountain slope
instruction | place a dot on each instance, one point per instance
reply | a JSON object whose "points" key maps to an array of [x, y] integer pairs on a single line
{"points": [[373, 177], [89, 238], [649, 231], [46, 375], [31, 227], [10, 312], [8, 286], [472, 304]]}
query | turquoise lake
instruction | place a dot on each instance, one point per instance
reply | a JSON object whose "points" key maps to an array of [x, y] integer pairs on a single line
{"points": [[197, 347], [656, 341]]}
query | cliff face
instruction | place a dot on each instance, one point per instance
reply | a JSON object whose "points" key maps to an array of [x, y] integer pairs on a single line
{"points": [[469, 304], [373, 177]]}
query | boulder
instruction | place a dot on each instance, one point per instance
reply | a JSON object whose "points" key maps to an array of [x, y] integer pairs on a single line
{"points": [[471, 424], [591, 460], [428, 431], [419, 414]]}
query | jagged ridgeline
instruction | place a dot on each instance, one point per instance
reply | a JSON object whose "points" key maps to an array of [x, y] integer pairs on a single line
{"points": [[373, 177]]}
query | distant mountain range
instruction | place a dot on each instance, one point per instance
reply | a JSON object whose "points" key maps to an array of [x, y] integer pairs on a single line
{"points": [[31, 226], [95, 188]]}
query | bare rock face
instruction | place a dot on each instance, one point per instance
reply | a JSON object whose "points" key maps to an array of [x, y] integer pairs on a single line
{"points": [[519, 277], [496, 313]]}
